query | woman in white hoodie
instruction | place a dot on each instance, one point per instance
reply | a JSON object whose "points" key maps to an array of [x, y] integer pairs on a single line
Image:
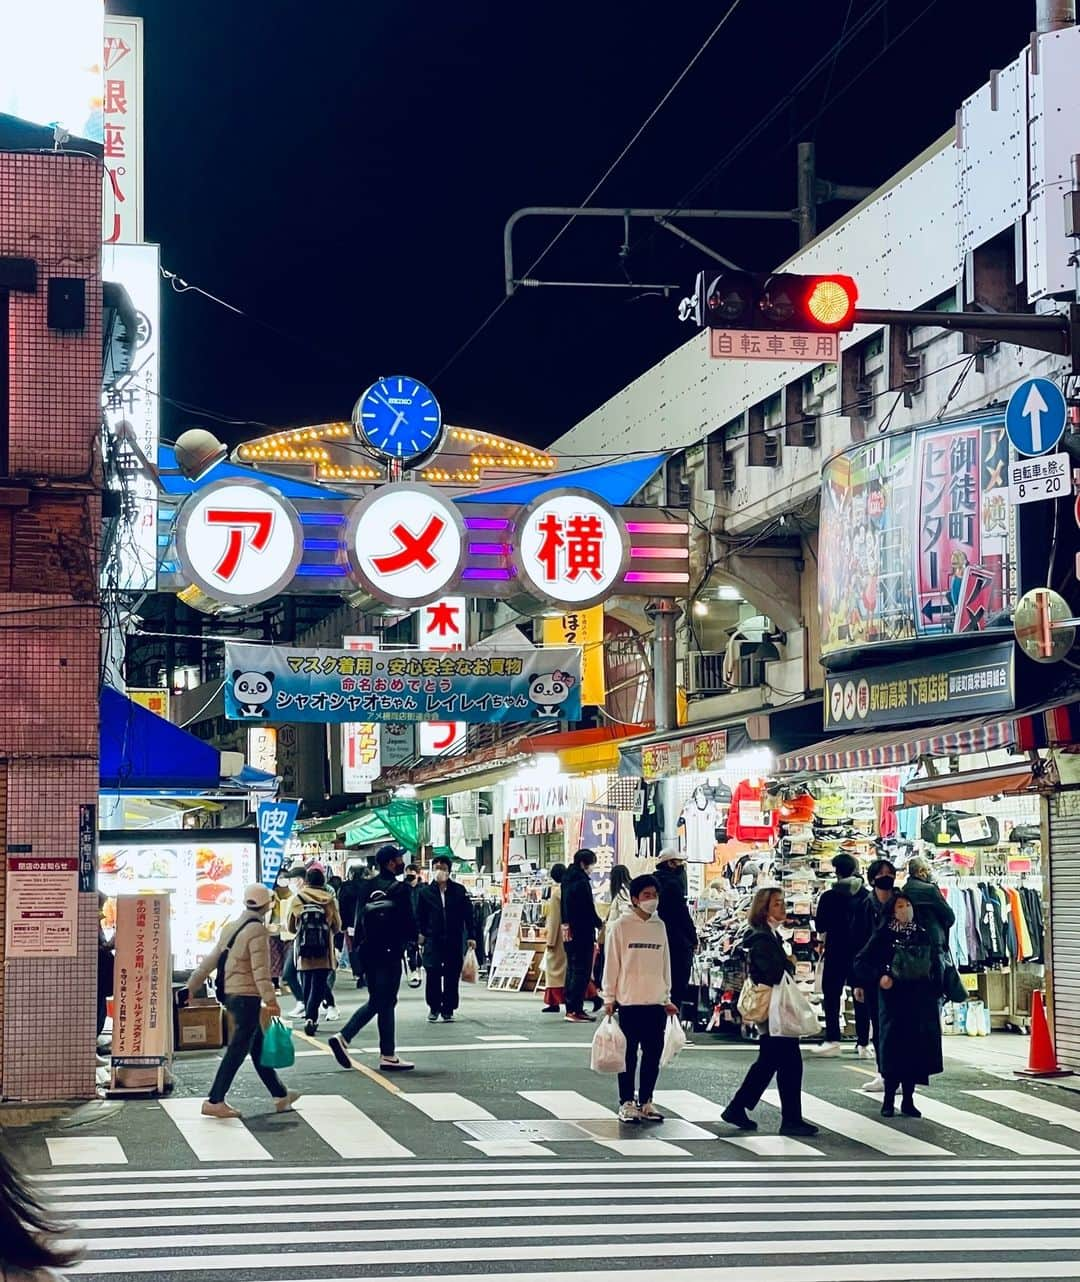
{"points": [[637, 982]]}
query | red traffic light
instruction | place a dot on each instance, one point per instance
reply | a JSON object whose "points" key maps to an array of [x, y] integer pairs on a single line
{"points": [[816, 303]]}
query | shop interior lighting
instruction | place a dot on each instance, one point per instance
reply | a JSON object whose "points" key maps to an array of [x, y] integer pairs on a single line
{"points": [[728, 592]]}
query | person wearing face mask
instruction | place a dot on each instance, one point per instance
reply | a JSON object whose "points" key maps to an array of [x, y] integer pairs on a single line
{"points": [[876, 908], [446, 931], [385, 926], [245, 945], [637, 982], [901, 968], [767, 963], [679, 924]]}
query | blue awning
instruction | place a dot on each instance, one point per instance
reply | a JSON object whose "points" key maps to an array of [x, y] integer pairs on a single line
{"points": [[615, 483], [143, 753]]}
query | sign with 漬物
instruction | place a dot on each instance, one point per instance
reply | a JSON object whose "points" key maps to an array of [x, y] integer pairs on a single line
{"points": [[42, 894], [962, 684], [584, 628], [281, 683]]}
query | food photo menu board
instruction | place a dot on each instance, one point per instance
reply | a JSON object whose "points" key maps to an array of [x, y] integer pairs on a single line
{"points": [[204, 876]]}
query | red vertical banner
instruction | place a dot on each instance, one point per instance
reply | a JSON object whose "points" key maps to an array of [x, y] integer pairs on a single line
{"points": [[949, 506]]}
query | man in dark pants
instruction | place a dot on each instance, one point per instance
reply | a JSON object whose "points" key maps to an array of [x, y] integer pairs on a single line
{"points": [[347, 901], [882, 877], [839, 923], [674, 912], [445, 918], [385, 926], [580, 923]]}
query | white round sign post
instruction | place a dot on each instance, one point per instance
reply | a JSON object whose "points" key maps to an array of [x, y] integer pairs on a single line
{"points": [[239, 542], [407, 545], [571, 549]]}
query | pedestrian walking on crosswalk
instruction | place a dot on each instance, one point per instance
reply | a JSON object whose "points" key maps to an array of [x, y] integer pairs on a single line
{"points": [[27, 1233], [313, 916], [637, 983], [445, 921], [385, 927], [241, 962], [777, 1056]]}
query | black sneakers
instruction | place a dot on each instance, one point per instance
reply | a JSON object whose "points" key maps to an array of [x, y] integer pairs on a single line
{"points": [[736, 1116], [340, 1049]]}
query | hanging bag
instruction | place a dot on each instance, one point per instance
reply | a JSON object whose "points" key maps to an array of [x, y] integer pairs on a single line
{"points": [[753, 1004], [790, 1014], [952, 986], [277, 1046], [470, 967], [608, 1047], [912, 963], [674, 1040]]}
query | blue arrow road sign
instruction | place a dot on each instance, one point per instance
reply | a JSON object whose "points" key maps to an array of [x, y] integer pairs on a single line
{"points": [[1035, 418]]}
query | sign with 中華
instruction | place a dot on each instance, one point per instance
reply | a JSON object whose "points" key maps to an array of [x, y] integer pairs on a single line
{"points": [[1034, 479], [42, 895]]}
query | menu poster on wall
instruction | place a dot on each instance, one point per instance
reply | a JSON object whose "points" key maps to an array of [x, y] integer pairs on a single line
{"points": [[42, 905], [205, 880], [142, 987]]}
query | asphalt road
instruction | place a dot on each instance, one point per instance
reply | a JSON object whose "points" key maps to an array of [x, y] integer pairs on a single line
{"points": [[499, 1156]]}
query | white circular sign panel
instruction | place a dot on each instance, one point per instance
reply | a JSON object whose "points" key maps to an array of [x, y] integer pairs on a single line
{"points": [[571, 549], [407, 544], [239, 541]]}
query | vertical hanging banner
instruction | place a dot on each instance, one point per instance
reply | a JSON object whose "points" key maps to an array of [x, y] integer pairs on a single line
{"points": [[142, 992], [600, 833], [586, 629], [443, 625], [361, 743], [122, 131], [275, 819]]}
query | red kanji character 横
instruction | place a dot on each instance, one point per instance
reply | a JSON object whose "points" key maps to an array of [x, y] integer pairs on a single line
{"points": [[548, 555], [584, 548]]}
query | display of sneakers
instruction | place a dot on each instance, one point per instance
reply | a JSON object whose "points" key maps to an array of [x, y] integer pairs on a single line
{"points": [[826, 1050], [629, 1113]]}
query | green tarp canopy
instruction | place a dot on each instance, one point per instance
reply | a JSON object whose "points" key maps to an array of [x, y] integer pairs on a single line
{"points": [[362, 826]]}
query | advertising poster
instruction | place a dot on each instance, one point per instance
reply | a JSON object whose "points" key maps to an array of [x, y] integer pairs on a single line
{"points": [[142, 987], [506, 940], [600, 833], [42, 905], [584, 628], [275, 820], [332, 686], [361, 743], [917, 537], [204, 880]]}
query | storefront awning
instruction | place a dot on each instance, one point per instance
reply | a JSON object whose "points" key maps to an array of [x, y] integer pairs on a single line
{"points": [[584, 752], [142, 753]]}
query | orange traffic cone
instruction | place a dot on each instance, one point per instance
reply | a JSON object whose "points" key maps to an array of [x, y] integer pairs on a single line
{"points": [[1042, 1060]]}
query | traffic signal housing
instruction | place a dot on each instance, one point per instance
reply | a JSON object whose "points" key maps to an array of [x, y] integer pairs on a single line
{"points": [[779, 301]]}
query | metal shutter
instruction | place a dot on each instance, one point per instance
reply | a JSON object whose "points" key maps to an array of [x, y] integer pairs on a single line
{"points": [[1064, 918]]}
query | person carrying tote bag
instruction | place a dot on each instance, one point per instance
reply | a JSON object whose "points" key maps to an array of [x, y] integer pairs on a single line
{"points": [[778, 1057]]}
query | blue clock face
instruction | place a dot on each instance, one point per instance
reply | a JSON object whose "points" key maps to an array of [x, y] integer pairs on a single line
{"points": [[399, 417]]}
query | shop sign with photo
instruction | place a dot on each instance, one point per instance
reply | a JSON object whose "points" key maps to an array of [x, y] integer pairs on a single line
{"points": [[481, 686], [142, 991], [506, 938], [917, 536], [944, 686], [42, 894], [511, 971]]}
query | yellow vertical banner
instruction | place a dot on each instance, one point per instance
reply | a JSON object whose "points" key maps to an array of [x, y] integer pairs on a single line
{"points": [[586, 629]]}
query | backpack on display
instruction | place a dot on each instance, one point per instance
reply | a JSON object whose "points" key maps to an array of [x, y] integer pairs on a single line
{"points": [[377, 920], [312, 932]]}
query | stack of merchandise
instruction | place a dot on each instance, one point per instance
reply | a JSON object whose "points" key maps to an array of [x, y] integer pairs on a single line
{"points": [[799, 880]]}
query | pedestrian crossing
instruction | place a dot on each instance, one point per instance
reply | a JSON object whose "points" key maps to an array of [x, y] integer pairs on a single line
{"points": [[736, 1220], [418, 1124]]}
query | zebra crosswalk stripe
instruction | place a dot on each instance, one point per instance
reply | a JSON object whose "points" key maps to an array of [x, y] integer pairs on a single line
{"points": [[213, 1139], [857, 1126], [347, 1129]]}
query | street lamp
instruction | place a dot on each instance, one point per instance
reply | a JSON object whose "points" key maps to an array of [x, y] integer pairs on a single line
{"points": [[197, 451]]}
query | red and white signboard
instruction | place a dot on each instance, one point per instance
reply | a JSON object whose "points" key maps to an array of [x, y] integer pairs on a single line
{"points": [[571, 549], [122, 131], [773, 345], [407, 544], [240, 539], [443, 625], [361, 742]]}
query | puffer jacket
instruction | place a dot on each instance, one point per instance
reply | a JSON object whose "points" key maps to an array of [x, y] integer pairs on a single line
{"points": [[247, 967], [328, 900]]}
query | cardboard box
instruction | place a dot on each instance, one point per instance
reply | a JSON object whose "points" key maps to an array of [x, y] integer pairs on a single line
{"points": [[200, 1026]]}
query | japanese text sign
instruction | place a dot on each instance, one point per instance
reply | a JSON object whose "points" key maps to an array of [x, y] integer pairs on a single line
{"points": [[285, 684], [142, 988], [659, 761], [773, 345], [965, 683], [571, 548], [122, 132], [704, 753], [361, 742], [443, 625], [275, 820], [1047, 477], [600, 834], [42, 893], [584, 628]]}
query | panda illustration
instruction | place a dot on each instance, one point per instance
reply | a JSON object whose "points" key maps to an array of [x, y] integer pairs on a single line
{"points": [[252, 692], [549, 691]]}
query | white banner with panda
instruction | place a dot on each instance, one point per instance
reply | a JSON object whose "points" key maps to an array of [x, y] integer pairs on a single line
{"points": [[282, 683]]}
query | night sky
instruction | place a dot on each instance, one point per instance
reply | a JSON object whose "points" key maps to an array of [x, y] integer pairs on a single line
{"points": [[342, 172]]}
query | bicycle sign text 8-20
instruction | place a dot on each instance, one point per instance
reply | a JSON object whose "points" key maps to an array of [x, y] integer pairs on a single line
{"points": [[1047, 477]]}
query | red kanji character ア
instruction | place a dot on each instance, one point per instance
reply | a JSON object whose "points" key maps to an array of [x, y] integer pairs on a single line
{"points": [[585, 548], [548, 555]]}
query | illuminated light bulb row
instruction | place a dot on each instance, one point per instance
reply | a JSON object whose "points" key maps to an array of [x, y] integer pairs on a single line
{"points": [[440, 474], [353, 473]]}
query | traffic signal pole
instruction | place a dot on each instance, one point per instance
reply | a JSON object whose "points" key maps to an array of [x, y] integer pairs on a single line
{"points": [[1058, 333]]}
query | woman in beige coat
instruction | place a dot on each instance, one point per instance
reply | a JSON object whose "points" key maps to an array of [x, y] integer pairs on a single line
{"points": [[555, 956], [304, 920]]}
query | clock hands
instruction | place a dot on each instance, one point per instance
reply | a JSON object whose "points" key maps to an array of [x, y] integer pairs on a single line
{"points": [[397, 423]]}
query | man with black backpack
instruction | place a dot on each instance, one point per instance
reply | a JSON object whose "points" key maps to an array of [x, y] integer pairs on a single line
{"points": [[385, 926], [313, 915]]}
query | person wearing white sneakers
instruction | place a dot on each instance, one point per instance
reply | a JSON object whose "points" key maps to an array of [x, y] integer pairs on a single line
{"points": [[637, 982], [241, 960]]}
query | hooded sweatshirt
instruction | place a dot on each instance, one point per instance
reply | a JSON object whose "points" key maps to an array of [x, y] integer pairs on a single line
{"points": [[637, 962], [315, 895], [840, 918]]}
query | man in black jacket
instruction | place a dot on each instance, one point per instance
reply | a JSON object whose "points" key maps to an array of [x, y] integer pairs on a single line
{"points": [[875, 909], [445, 918], [385, 927], [931, 911], [580, 923], [674, 912], [840, 923]]}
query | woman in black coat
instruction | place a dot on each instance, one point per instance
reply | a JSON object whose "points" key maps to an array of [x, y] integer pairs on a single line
{"points": [[779, 1056], [903, 965]]}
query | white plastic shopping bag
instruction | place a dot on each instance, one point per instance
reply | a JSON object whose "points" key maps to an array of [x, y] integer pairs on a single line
{"points": [[790, 1014], [608, 1047], [819, 978], [674, 1040], [470, 967]]}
